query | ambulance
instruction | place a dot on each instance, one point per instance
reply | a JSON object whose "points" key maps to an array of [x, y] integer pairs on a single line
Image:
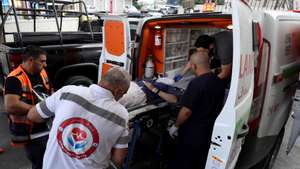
{"points": [[266, 62]]}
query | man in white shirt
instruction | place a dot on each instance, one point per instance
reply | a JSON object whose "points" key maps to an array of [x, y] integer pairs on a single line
{"points": [[90, 127]]}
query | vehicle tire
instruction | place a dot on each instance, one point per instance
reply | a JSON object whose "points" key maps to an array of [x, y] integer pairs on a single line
{"points": [[271, 158], [78, 80]]}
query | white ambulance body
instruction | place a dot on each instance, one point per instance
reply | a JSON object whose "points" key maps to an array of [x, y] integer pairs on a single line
{"points": [[276, 71], [277, 67], [266, 62]]}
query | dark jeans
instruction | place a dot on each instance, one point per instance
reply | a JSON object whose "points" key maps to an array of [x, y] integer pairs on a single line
{"points": [[35, 151]]}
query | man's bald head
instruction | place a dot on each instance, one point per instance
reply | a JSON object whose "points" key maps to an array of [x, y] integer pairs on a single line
{"points": [[200, 59], [117, 77], [117, 80]]}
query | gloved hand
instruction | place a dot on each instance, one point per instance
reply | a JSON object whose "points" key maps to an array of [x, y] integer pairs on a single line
{"points": [[178, 77], [173, 131]]}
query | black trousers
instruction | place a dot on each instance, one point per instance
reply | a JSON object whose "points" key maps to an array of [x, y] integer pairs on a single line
{"points": [[35, 151], [189, 157]]}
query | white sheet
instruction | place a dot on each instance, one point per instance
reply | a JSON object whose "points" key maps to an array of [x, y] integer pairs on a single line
{"points": [[134, 96]]}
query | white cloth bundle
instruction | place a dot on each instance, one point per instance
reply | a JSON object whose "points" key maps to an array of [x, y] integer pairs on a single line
{"points": [[134, 96]]}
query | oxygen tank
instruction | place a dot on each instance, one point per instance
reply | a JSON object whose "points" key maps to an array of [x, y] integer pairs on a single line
{"points": [[149, 68]]}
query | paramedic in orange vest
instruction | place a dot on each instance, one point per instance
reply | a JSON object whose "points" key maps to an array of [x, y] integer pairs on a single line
{"points": [[19, 98]]}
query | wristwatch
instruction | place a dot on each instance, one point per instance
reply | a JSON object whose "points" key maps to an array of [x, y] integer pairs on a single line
{"points": [[155, 90]]}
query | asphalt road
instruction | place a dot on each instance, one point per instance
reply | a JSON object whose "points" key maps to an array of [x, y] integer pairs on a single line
{"points": [[14, 158], [291, 161]]}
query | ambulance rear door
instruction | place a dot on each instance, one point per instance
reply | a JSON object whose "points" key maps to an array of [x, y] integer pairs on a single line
{"points": [[231, 126], [116, 50]]}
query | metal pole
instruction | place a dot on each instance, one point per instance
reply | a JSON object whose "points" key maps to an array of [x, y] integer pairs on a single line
{"points": [[265, 3], [86, 13], [17, 23], [34, 17], [276, 4], [61, 17], [272, 6], [270, 3], [88, 20], [2, 38], [57, 24]]}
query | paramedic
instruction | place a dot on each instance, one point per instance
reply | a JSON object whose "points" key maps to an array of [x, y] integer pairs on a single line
{"points": [[220, 49], [19, 98], [201, 104], [89, 127]]}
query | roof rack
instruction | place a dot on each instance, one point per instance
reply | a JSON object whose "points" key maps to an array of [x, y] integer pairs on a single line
{"points": [[34, 12]]}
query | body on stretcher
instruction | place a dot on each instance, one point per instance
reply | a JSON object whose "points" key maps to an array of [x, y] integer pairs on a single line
{"points": [[138, 95], [152, 117]]}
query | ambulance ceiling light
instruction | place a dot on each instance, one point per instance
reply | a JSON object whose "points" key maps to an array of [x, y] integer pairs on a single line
{"points": [[157, 27]]}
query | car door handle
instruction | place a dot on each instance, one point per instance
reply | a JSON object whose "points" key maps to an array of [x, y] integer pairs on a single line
{"points": [[121, 64], [215, 144], [244, 131]]}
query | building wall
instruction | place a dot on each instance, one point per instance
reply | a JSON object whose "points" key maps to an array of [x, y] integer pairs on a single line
{"points": [[119, 6], [95, 5], [114, 6], [296, 4], [128, 3]]}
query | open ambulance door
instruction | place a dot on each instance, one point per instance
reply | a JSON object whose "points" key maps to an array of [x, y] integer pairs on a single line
{"points": [[116, 49], [231, 126]]}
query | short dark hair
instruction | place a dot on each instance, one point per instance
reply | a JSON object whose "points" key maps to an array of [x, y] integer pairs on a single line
{"points": [[204, 41], [33, 51]]}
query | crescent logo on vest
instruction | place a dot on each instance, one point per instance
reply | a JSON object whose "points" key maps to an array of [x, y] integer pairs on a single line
{"points": [[77, 137]]}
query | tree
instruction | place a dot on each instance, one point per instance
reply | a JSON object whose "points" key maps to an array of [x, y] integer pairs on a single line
{"points": [[136, 4], [199, 1], [220, 2]]}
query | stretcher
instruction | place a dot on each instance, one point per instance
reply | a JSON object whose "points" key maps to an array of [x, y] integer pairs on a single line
{"points": [[140, 117], [141, 109]]}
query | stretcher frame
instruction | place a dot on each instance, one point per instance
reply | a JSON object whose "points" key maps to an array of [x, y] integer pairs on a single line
{"points": [[134, 114]]}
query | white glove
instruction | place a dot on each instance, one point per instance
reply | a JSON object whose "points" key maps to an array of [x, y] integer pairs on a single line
{"points": [[173, 131]]}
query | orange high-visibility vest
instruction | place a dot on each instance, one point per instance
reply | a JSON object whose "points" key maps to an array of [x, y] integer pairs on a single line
{"points": [[20, 127]]}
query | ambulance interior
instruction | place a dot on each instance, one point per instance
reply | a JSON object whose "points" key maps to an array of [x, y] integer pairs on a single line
{"points": [[177, 40], [169, 42]]}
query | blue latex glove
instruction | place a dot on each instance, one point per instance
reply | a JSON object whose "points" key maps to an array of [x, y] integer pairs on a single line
{"points": [[178, 77]]}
